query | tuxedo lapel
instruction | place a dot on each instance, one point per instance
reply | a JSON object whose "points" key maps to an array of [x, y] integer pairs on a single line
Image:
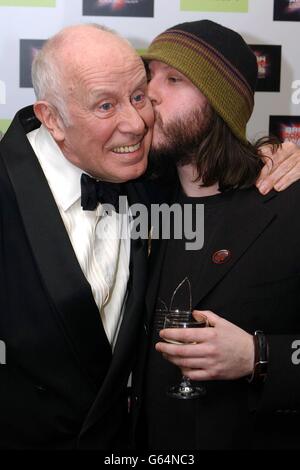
{"points": [[246, 218], [156, 259], [126, 345], [136, 283], [155, 267], [53, 253]]}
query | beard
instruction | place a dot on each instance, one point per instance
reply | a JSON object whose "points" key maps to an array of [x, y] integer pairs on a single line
{"points": [[181, 139]]}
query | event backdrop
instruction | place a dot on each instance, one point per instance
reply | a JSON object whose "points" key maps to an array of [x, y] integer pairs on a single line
{"points": [[271, 28]]}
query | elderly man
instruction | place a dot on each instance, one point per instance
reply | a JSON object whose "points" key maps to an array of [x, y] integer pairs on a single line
{"points": [[69, 336], [245, 279]]}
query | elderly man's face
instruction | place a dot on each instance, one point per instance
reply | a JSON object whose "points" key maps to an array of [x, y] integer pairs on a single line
{"points": [[111, 117], [182, 112]]}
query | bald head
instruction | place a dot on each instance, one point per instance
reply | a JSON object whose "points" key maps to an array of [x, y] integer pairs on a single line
{"points": [[57, 67], [76, 44]]}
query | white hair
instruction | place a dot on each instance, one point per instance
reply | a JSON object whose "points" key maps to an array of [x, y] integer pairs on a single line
{"points": [[46, 73]]}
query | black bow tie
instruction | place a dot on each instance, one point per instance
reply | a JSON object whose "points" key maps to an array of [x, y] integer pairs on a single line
{"points": [[93, 192]]}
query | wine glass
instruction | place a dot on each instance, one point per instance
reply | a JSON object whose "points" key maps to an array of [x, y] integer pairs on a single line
{"points": [[183, 318]]}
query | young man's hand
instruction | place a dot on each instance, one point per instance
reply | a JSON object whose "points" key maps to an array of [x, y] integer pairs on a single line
{"points": [[222, 351], [281, 169]]}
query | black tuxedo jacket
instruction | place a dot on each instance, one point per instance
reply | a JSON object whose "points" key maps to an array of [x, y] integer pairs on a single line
{"points": [[61, 386], [258, 288]]}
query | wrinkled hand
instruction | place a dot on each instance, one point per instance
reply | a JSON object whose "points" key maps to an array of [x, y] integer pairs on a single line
{"points": [[284, 171], [223, 352]]}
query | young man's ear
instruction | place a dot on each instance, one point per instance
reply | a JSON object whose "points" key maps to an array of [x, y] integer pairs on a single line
{"points": [[49, 117]]}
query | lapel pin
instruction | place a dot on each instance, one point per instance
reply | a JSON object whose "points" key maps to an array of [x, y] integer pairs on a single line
{"points": [[221, 256]]}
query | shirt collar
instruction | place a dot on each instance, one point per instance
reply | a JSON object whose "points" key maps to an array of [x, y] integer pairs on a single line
{"points": [[63, 177]]}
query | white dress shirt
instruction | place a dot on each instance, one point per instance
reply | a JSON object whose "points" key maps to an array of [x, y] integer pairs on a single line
{"points": [[102, 254]]}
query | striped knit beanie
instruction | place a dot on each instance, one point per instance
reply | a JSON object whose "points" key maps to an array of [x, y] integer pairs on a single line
{"points": [[218, 62]]}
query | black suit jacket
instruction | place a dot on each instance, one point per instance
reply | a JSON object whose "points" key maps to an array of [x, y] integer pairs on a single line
{"points": [[61, 386], [257, 289]]}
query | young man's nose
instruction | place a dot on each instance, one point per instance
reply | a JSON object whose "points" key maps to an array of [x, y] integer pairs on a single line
{"points": [[153, 92]]}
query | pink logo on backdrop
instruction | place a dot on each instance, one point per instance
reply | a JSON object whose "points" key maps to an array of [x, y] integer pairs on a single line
{"points": [[291, 132], [294, 5]]}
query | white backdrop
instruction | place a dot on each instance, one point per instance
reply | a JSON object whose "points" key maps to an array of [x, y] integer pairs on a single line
{"points": [[257, 27]]}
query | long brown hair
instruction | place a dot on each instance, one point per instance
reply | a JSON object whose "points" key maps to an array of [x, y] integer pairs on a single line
{"points": [[221, 158]]}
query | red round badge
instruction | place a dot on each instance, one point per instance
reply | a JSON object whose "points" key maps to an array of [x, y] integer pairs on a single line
{"points": [[221, 256]]}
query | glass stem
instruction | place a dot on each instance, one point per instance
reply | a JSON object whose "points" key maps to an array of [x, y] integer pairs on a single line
{"points": [[185, 381]]}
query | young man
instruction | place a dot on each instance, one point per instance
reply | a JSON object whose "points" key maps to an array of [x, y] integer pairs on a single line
{"points": [[246, 278]]}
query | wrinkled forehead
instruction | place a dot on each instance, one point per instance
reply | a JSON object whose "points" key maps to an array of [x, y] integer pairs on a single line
{"points": [[117, 78]]}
